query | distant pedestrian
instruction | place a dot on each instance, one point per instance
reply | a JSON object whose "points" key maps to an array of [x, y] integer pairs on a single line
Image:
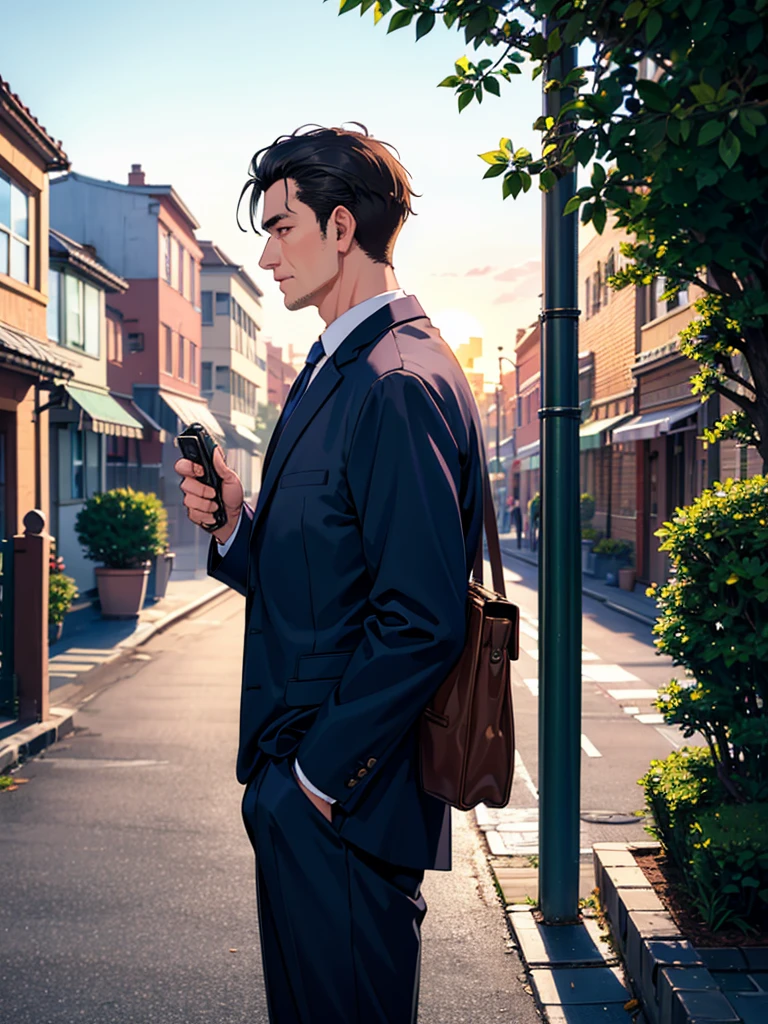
{"points": [[516, 517], [508, 514]]}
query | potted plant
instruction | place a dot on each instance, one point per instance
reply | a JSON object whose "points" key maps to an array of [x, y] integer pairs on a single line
{"points": [[124, 529], [534, 511], [159, 574], [589, 537], [62, 591], [610, 556]]}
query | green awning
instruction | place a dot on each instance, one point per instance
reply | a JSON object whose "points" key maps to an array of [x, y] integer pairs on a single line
{"points": [[591, 435], [106, 414]]}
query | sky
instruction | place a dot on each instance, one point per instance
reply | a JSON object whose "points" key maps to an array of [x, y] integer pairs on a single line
{"points": [[191, 91]]}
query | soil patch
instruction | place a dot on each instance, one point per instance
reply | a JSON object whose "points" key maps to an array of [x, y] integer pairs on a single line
{"points": [[668, 886]]}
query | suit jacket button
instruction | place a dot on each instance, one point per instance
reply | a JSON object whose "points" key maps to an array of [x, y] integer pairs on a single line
{"points": [[362, 772], [371, 762], [351, 783]]}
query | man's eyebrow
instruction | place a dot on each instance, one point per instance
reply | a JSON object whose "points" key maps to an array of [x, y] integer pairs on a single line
{"points": [[273, 220]]}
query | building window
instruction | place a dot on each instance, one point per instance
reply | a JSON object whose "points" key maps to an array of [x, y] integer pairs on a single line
{"points": [[165, 255], [54, 305], [168, 350], [191, 279], [206, 376], [587, 303], [596, 285], [182, 268], [659, 308], [182, 368], [118, 329], [222, 304], [207, 300], [92, 320], [76, 461], [174, 264], [14, 230], [222, 378], [192, 362], [136, 341], [73, 304]]}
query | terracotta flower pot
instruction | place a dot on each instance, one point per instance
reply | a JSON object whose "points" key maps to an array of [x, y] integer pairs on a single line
{"points": [[122, 591], [627, 579]]}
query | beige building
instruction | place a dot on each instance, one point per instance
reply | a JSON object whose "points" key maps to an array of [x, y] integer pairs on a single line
{"points": [[233, 369]]}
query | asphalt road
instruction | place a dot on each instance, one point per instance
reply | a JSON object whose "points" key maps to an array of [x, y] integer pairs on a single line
{"points": [[128, 880]]}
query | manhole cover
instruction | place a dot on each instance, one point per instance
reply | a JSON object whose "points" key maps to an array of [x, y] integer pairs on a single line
{"points": [[611, 817]]}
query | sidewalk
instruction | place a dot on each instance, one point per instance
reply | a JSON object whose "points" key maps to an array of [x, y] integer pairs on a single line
{"points": [[87, 644], [632, 603]]}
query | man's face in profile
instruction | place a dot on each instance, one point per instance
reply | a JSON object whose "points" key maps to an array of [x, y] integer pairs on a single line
{"points": [[301, 258]]}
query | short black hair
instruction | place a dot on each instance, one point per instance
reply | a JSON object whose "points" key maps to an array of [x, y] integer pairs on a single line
{"points": [[335, 167]]}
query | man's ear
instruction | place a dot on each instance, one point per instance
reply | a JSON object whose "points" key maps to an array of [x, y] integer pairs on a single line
{"points": [[343, 225]]}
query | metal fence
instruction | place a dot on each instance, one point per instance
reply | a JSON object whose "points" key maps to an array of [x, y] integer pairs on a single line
{"points": [[8, 693]]}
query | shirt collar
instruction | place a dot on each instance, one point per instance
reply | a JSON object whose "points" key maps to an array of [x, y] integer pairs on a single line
{"points": [[343, 325]]}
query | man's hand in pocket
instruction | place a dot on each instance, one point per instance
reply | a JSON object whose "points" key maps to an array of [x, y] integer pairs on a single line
{"points": [[322, 805]]}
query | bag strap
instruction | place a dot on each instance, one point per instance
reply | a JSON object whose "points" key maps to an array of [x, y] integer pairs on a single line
{"points": [[491, 533]]}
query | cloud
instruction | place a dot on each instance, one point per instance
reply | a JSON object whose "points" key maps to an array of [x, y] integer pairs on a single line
{"points": [[520, 272], [478, 271]]}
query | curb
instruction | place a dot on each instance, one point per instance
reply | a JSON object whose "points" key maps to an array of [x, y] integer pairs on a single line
{"points": [[671, 978], [638, 616], [30, 740]]}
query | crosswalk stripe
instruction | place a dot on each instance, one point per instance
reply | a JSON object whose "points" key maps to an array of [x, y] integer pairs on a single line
{"points": [[634, 694], [589, 747]]}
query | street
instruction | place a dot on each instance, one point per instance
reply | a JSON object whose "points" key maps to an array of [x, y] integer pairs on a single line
{"points": [[128, 883]]}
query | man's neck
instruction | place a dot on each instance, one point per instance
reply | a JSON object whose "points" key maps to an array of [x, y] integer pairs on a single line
{"points": [[373, 280]]}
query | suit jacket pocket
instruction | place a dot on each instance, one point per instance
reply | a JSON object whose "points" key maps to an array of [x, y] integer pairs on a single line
{"points": [[316, 676], [304, 477]]}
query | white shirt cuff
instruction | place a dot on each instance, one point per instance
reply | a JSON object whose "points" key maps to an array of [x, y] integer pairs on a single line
{"points": [[224, 548], [310, 787]]}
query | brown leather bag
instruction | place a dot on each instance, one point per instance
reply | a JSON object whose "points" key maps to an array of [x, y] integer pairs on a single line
{"points": [[467, 735]]}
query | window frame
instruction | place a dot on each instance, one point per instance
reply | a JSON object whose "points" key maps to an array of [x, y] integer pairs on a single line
{"points": [[7, 230]]}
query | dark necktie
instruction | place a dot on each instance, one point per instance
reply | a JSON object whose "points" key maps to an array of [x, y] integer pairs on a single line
{"points": [[316, 353]]}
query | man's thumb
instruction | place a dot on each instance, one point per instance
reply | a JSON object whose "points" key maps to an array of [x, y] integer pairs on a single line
{"points": [[219, 464]]}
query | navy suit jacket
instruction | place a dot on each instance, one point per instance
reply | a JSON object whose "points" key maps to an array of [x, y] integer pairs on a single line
{"points": [[355, 573]]}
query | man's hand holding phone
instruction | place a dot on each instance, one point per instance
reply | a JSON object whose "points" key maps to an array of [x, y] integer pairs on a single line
{"points": [[199, 499]]}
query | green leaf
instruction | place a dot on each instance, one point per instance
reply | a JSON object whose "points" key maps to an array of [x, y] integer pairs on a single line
{"points": [[598, 216], [479, 93], [511, 185], [755, 35], [729, 149], [491, 85], [382, 7], [450, 82], [547, 180], [652, 26], [348, 5], [399, 20], [553, 41], [465, 97], [633, 10], [598, 176], [653, 95], [495, 171], [425, 23], [710, 131], [585, 147], [506, 144], [526, 180], [572, 205], [704, 93]]}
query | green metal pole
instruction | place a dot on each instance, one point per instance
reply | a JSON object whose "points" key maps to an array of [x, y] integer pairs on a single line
{"points": [[559, 549]]}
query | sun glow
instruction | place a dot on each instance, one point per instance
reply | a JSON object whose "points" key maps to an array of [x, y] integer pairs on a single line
{"points": [[457, 326]]}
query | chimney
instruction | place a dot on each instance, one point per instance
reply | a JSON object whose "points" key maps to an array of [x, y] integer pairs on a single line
{"points": [[136, 177]]}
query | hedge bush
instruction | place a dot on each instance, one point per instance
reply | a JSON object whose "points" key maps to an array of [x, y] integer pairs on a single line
{"points": [[586, 508], [613, 547], [122, 528], [714, 623], [720, 850]]}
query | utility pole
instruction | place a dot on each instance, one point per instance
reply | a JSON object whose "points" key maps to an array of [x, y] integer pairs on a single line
{"points": [[559, 549]]}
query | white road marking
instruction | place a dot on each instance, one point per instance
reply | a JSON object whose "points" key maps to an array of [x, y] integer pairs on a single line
{"points": [[531, 653], [524, 775], [674, 736], [589, 747], [72, 666], [631, 711], [529, 631], [650, 719], [634, 694], [608, 674], [63, 675], [589, 656], [533, 686]]}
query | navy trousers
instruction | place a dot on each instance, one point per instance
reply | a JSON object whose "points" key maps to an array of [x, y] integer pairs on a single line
{"points": [[340, 928]]}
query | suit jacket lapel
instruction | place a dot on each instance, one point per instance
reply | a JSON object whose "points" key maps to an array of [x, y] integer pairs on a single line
{"points": [[322, 387]]}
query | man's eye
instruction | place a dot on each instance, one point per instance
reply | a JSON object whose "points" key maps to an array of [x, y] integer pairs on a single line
{"points": [[282, 229]]}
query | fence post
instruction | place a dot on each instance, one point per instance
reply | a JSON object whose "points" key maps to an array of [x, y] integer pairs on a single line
{"points": [[31, 552]]}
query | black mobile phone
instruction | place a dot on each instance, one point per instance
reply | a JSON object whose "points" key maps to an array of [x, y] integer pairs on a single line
{"points": [[197, 445]]}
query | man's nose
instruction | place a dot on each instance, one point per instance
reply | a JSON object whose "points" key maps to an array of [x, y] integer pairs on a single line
{"points": [[270, 257]]}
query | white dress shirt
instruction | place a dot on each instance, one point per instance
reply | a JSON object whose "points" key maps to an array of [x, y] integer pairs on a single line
{"points": [[331, 338]]}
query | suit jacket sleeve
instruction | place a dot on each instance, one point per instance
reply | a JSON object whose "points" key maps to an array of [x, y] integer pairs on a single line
{"points": [[232, 569], [404, 473]]}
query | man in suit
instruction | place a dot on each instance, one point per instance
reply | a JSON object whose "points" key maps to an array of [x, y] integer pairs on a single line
{"points": [[354, 566]]}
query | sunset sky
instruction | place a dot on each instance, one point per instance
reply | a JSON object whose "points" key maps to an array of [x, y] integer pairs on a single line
{"points": [[192, 90]]}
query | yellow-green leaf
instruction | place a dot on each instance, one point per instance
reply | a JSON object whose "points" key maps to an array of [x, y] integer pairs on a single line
{"points": [[462, 64], [733, 578], [494, 156]]}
